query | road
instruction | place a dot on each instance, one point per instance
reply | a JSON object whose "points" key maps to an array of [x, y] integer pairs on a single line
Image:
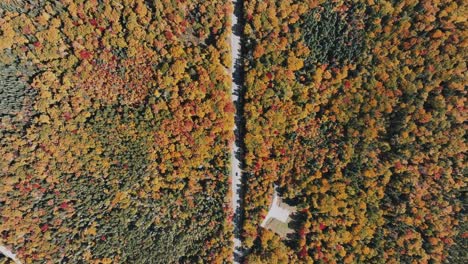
{"points": [[236, 171], [7, 253]]}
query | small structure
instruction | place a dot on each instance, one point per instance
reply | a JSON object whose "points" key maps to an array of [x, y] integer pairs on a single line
{"points": [[278, 218]]}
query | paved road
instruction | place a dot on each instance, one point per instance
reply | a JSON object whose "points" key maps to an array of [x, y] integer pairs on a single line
{"points": [[7, 253], [236, 171]]}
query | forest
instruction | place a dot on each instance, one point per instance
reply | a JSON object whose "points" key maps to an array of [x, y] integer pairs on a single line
{"points": [[117, 126], [114, 135], [356, 110]]}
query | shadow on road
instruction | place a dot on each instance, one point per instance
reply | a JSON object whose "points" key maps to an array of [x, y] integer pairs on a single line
{"points": [[238, 79]]}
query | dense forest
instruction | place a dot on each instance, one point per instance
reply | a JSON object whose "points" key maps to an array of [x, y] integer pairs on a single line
{"points": [[356, 110], [116, 122], [116, 128]]}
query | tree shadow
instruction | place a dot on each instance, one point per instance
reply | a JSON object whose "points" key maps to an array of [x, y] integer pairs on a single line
{"points": [[296, 223], [238, 78]]}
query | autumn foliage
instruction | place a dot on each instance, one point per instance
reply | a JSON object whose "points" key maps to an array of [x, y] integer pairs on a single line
{"points": [[116, 120], [368, 143], [115, 134]]}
